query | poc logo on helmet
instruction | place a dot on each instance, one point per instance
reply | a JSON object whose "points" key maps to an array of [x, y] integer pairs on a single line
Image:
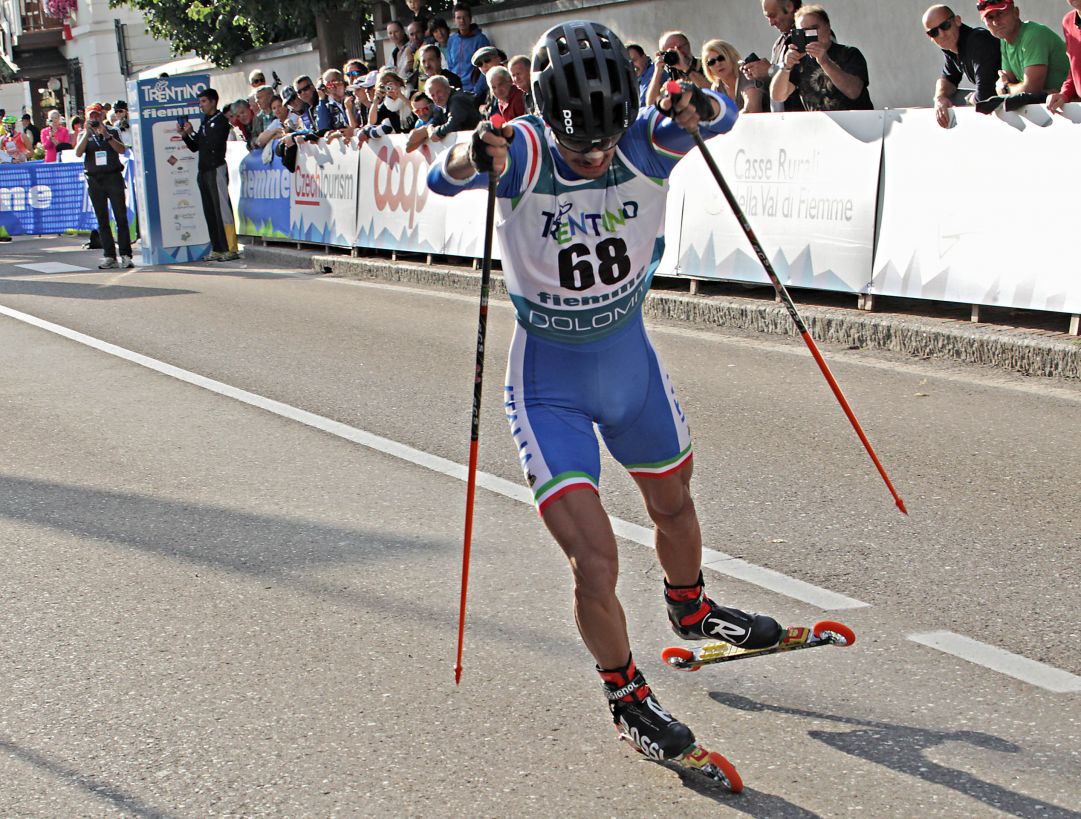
{"points": [[568, 121]]}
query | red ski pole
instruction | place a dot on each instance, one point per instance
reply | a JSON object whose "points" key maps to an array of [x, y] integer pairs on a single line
{"points": [[674, 90], [474, 434]]}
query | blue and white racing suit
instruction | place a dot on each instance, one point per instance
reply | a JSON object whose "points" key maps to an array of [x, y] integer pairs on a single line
{"points": [[578, 257]]}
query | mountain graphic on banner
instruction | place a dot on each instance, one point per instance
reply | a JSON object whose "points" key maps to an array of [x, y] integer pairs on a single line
{"points": [[317, 235], [739, 265], [385, 239]]}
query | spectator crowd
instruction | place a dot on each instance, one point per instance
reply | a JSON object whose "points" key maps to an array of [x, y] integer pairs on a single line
{"points": [[441, 76]]}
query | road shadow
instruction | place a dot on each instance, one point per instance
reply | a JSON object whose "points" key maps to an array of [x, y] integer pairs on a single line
{"points": [[113, 796], [290, 552], [84, 290], [901, 748]]}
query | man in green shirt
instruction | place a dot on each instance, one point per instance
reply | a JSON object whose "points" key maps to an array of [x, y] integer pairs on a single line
{"points": [[1033, 56]]}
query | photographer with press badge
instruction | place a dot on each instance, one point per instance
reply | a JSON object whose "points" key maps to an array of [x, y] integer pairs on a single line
{"points": [[102, 147], [826, 75]]}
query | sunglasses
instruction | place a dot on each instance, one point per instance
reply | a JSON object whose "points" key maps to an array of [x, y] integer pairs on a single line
{"points": [[335, 82], [944, 26], [353, 73], [712, 61], [305, 89], [583, 146]]}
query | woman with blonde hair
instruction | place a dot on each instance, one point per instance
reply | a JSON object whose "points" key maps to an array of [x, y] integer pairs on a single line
{"points": [[720, 63]]}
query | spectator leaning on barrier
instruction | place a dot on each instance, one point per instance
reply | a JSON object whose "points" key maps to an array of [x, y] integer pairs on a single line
{"points": [[461, 112], [242, 118], [463, 44], [101, 147], [213, 177], [508, 99], [275, 126], [1033, 57], [31, 131], [674, 60], [971, 53], [55, 137], [484, 60], [826, 75], [264, 116], [425, 111], [336, 110], [720, 60], [1071, 88], [302, 103], [643, 69], [390, 105], [519, 68], [431, 66]]}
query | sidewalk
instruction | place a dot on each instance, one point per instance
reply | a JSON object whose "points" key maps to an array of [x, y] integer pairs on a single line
{"points": [[1040, 347]]}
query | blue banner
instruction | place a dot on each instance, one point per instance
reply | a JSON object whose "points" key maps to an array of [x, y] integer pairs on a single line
{"points": [[39, 198], [44, 197], [263, 205]]}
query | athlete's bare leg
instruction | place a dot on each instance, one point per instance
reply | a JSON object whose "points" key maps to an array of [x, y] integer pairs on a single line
{"points": [[580, 525], [677, 535]]}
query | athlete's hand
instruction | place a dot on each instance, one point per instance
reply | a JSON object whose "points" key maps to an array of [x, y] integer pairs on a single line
{"points": [[687, 105], [488, 148]]}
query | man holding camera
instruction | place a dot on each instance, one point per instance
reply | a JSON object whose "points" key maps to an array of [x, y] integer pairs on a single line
{"points": [[336, 109], [102, 147], [674, 61], [826, 75]]}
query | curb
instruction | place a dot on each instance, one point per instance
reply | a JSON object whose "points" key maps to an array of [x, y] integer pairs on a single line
{"points": [[1052, 355]]}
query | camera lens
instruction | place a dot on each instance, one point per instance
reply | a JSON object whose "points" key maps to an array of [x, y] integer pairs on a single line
{"points": [[671, 58]]}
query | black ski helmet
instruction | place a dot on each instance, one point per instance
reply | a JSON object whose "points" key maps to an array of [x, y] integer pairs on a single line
{"points": [[584, 82]]}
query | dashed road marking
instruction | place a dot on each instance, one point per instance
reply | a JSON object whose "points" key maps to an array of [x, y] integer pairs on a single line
{"points": [[998, 659], [53, 267]]}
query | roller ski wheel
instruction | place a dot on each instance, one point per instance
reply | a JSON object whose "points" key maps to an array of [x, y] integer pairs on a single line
{"points": [[709, 764], [823, 633]]}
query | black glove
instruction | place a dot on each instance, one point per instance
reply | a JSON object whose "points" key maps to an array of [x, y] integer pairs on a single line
{"points": [[478, 149], [703, 104]]}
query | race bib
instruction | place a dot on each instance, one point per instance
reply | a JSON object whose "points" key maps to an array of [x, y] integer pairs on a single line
{"points": [[101, 159]]}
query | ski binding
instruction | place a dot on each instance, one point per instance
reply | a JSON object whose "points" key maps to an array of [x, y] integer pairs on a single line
{"points": [[709, 764]]}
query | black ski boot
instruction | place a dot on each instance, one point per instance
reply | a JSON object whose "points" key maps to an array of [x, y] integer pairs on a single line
{"points": [[695, 617], [639, 716]]}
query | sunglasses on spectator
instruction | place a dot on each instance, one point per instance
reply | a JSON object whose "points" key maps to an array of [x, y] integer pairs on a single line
{"points": [[712, 61], [582, 146], [354, 73], [305, 89], [944, 26], [334, 82]]}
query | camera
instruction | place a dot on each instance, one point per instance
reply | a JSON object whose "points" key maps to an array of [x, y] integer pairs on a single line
{"points": [[671, 57], [799, 37], [750, 58]]}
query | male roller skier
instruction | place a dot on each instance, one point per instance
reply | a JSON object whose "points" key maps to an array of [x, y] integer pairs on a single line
{"points": [[581, 201]]}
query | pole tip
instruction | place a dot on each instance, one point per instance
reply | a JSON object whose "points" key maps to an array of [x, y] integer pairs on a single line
{"points": [[901, 506], [457, 675]]}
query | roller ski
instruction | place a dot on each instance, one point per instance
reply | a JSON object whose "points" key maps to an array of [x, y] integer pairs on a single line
{"points": [[644, 723], [823, 633]]}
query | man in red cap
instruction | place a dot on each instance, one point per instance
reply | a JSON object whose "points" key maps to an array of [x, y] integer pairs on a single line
{"points": [[102, 147], [1033, 56], [1071, 88]]}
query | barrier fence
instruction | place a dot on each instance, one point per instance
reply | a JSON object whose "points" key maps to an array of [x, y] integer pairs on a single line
{"points": [[862, 202]]}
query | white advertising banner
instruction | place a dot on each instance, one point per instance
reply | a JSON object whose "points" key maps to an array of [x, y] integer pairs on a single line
{"points": [[323, 201], [396, 211], [807, 184], [981, 213]]}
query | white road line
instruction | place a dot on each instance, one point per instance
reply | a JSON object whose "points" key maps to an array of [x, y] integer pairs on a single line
{"points": [[997, 659], [718, 561]]}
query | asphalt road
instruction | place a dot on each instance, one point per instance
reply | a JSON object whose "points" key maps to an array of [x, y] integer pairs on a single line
{"points": [[210, 607]]}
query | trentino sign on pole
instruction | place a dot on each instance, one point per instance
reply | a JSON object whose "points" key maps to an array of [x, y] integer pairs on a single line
{"points": [[170, 213]]}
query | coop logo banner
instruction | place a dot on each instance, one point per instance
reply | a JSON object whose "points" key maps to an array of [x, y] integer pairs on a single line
{"points": [[395, 209]]}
